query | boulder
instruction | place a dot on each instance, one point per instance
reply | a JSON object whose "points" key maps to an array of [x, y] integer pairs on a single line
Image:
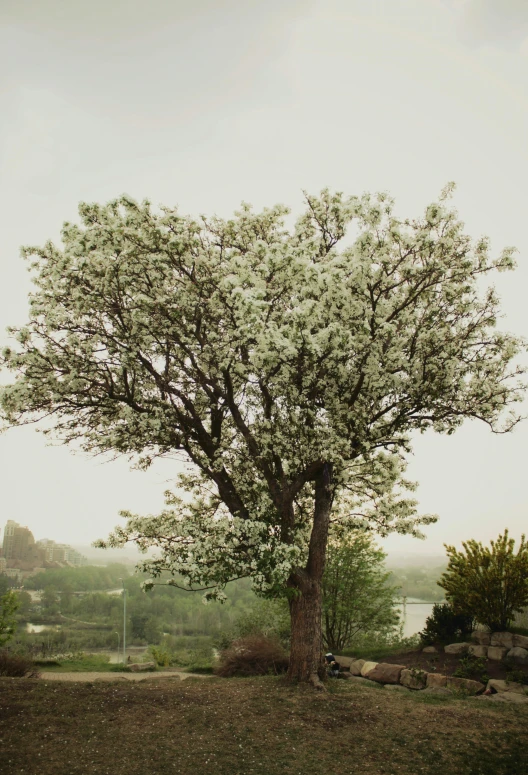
{"points": [[521, 641], [384, 673], [357, 679], [398, 687], [436, 681], [518, 653], [481, 637], [345, 662], [465, 685], [505, 687], [355, 667], [479, 651], [504, 639], [439, 690], [429, 650], [367, 667], [138, 667], [457, 648], [413, 679], [497, 652]]}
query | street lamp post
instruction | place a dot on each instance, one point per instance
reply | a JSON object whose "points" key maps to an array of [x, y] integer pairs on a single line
{"points": [[118, 642], [124, 621]]}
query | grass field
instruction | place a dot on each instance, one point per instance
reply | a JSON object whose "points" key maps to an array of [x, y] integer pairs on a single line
{"points": [[251, 727]]}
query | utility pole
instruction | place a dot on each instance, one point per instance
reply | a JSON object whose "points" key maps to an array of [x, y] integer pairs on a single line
{"points": [[124, 620]]}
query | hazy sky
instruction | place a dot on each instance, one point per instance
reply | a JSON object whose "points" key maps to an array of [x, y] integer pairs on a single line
{"points": [[205, 103]]}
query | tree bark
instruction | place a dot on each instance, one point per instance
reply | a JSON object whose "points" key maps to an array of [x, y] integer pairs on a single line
{"points": [[306, 650]]}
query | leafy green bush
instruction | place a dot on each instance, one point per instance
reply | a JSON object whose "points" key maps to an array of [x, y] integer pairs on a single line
{"points": [[489, 584], [8, 607], [472, 667], [444, 625], [357, 597]]}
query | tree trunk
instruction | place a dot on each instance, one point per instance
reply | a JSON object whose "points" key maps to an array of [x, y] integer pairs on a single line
{"points": [[306, 651]]}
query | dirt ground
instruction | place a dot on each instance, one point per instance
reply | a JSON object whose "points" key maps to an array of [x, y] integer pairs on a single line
{"points": [[251, 727], [85, 677]]}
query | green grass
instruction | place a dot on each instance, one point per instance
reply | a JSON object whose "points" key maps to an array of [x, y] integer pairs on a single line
{"points": [[257, 726], [82, 663]]}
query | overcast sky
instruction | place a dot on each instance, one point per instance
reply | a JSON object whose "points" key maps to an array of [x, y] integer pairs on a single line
{"points": [[205, 103]]}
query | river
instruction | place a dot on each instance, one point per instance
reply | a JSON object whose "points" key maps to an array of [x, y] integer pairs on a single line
{"points": [[416, 612]]}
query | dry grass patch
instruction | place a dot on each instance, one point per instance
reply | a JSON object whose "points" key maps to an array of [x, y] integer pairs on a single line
{"points": [[256, 726]]}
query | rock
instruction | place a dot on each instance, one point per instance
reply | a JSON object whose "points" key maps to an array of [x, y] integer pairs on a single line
{"points": [[457, 648], [437, 690], [398, 687], [413, 679], [496, 652], [521, 641], [429, 650], [481, 637], [509, 697], [504, 639], [384, 673], [503, 687], [479, 651], [355, 667], [345, 662], [436, 681], [465, 684], [138, 667], [358, 679], [367, 667], [517, 653]]}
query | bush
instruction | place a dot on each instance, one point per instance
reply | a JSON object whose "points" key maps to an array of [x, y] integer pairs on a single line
{"points": [[252, 655], [443, 625], [17, 666], [491, 584], [473, 668]]}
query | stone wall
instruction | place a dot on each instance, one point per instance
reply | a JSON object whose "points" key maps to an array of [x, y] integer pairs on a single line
{"points": [[495, 645]]}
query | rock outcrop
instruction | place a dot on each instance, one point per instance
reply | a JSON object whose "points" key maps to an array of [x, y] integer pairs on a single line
{"points": [[504, 639], [385, 673], [457, 648], [140, 666], [436, 681], [414, 679], [355, 667], [497, 652], [367, 667]]}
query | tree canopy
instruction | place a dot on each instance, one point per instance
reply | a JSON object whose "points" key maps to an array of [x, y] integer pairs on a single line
{"points": [[290, 374]]}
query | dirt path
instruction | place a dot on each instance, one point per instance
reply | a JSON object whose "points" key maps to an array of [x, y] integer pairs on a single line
{"points": [[92, 676]]}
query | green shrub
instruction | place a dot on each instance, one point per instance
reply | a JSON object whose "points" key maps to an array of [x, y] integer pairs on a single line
{"points": [[473, 668], [490, 584], [443, 625]]}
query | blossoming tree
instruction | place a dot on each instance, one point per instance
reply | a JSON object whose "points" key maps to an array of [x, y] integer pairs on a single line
{"points": [[289, 372]]}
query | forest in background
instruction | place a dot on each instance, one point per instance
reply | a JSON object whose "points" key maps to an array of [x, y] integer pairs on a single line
{"points": [[82, 610]]}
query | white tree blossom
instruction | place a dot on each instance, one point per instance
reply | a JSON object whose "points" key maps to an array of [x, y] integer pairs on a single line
{"points": [[289, 372]]}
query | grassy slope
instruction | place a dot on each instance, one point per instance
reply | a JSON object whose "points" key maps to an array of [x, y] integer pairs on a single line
{"points": [[251, 727]]}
